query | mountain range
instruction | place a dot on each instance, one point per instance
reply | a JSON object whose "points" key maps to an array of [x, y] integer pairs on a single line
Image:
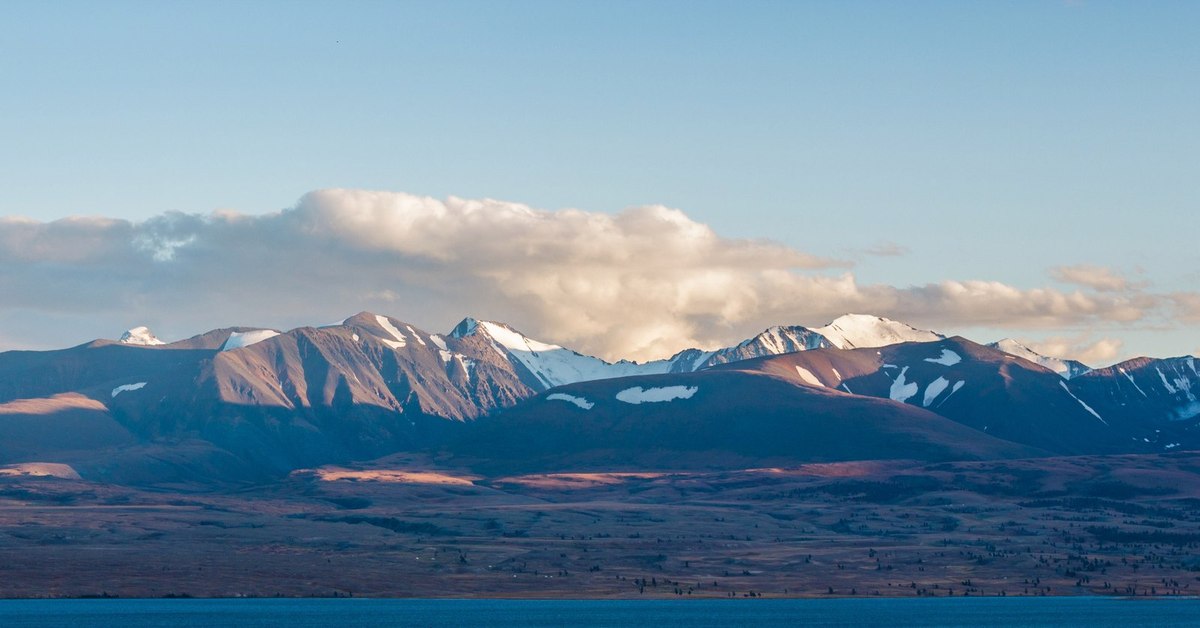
{"points": [[244, 404]]}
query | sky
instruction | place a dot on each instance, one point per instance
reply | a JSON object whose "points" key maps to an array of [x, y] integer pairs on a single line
{"points": [[665, 174]]}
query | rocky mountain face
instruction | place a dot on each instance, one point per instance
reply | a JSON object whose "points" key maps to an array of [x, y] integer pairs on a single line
{"points": [[244, 403], [1144, 389], [1008, 397], [369, 386]]}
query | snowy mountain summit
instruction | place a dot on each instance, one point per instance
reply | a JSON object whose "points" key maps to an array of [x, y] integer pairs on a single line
{"points": [[140, 336], [1066, 368], [857, 331], [549, 365]]}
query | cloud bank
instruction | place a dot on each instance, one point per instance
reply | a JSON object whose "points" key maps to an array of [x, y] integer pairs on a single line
{"points": [[1094, 277], [640, 284], [1092, 352]]}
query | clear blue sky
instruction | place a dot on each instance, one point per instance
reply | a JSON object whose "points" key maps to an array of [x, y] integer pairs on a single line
{"points": [[993, 140]]}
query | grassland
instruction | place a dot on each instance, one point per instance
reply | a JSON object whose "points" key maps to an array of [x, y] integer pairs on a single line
{"points": [[408, 527]]}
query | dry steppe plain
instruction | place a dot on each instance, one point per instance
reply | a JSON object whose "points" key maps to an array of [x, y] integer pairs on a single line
{"points": [[412, 526]]}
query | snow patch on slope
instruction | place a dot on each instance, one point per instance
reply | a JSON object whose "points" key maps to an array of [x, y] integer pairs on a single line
{"points": [[127, 387], [1130, 378], [581, 402], [465, 363], [399, 339], [957, 385], [901, 391], [700, 360], [1166, 384], [1085, 406], [808, 376], [637, 394], [1179, 382], [935, 388], [239, 339], [948, 358]]}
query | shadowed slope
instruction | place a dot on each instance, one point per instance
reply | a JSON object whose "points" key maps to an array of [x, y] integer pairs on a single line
{"points": [[986, 389], [713, 419]]}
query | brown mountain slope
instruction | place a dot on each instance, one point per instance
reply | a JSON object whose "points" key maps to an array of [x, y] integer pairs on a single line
{"points": [[42, 429], [977, 386], [725, 418]]}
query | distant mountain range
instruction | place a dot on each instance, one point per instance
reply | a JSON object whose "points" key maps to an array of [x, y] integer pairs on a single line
{"points": [[246, 404]]}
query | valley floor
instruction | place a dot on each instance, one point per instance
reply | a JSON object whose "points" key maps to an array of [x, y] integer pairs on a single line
{"points": [[1119, 525]]}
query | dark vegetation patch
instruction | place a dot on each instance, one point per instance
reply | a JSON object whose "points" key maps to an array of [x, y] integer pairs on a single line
{"points": [[394, 524], [22, 494], [349, 503], [877, 492], [1115, 489], [1113, 534], [1080, 504]]}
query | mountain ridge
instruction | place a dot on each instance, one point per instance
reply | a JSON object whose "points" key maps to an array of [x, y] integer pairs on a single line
{"points": [[258, 402], [847, 331]]}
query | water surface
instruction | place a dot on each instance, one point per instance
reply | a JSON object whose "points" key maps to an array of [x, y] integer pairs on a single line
{"points": [[322, 613]]}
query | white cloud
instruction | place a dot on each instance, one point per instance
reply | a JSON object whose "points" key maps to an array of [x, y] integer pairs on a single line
{"points": [[997, 304], [1094, 277], [1092, 352], [641, 283]]}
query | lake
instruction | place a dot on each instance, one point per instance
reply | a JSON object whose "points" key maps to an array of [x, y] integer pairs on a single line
{"points": [[893, 613]]}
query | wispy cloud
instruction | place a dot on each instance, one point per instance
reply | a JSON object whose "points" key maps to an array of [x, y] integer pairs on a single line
{"points": [[1094, 277], [640, 283], [887, 249], [1095, 352]]}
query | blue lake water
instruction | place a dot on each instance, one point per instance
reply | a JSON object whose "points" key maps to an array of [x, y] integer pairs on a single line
{"points": [[253, 613]]}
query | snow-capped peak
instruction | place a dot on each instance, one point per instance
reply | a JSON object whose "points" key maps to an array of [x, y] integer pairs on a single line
{"points": [[1066, 368], [465, 328], [852, 331], [140, 336], [771, 341], [504, 337], [514, 340], [549, 364], [780, 339]]}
